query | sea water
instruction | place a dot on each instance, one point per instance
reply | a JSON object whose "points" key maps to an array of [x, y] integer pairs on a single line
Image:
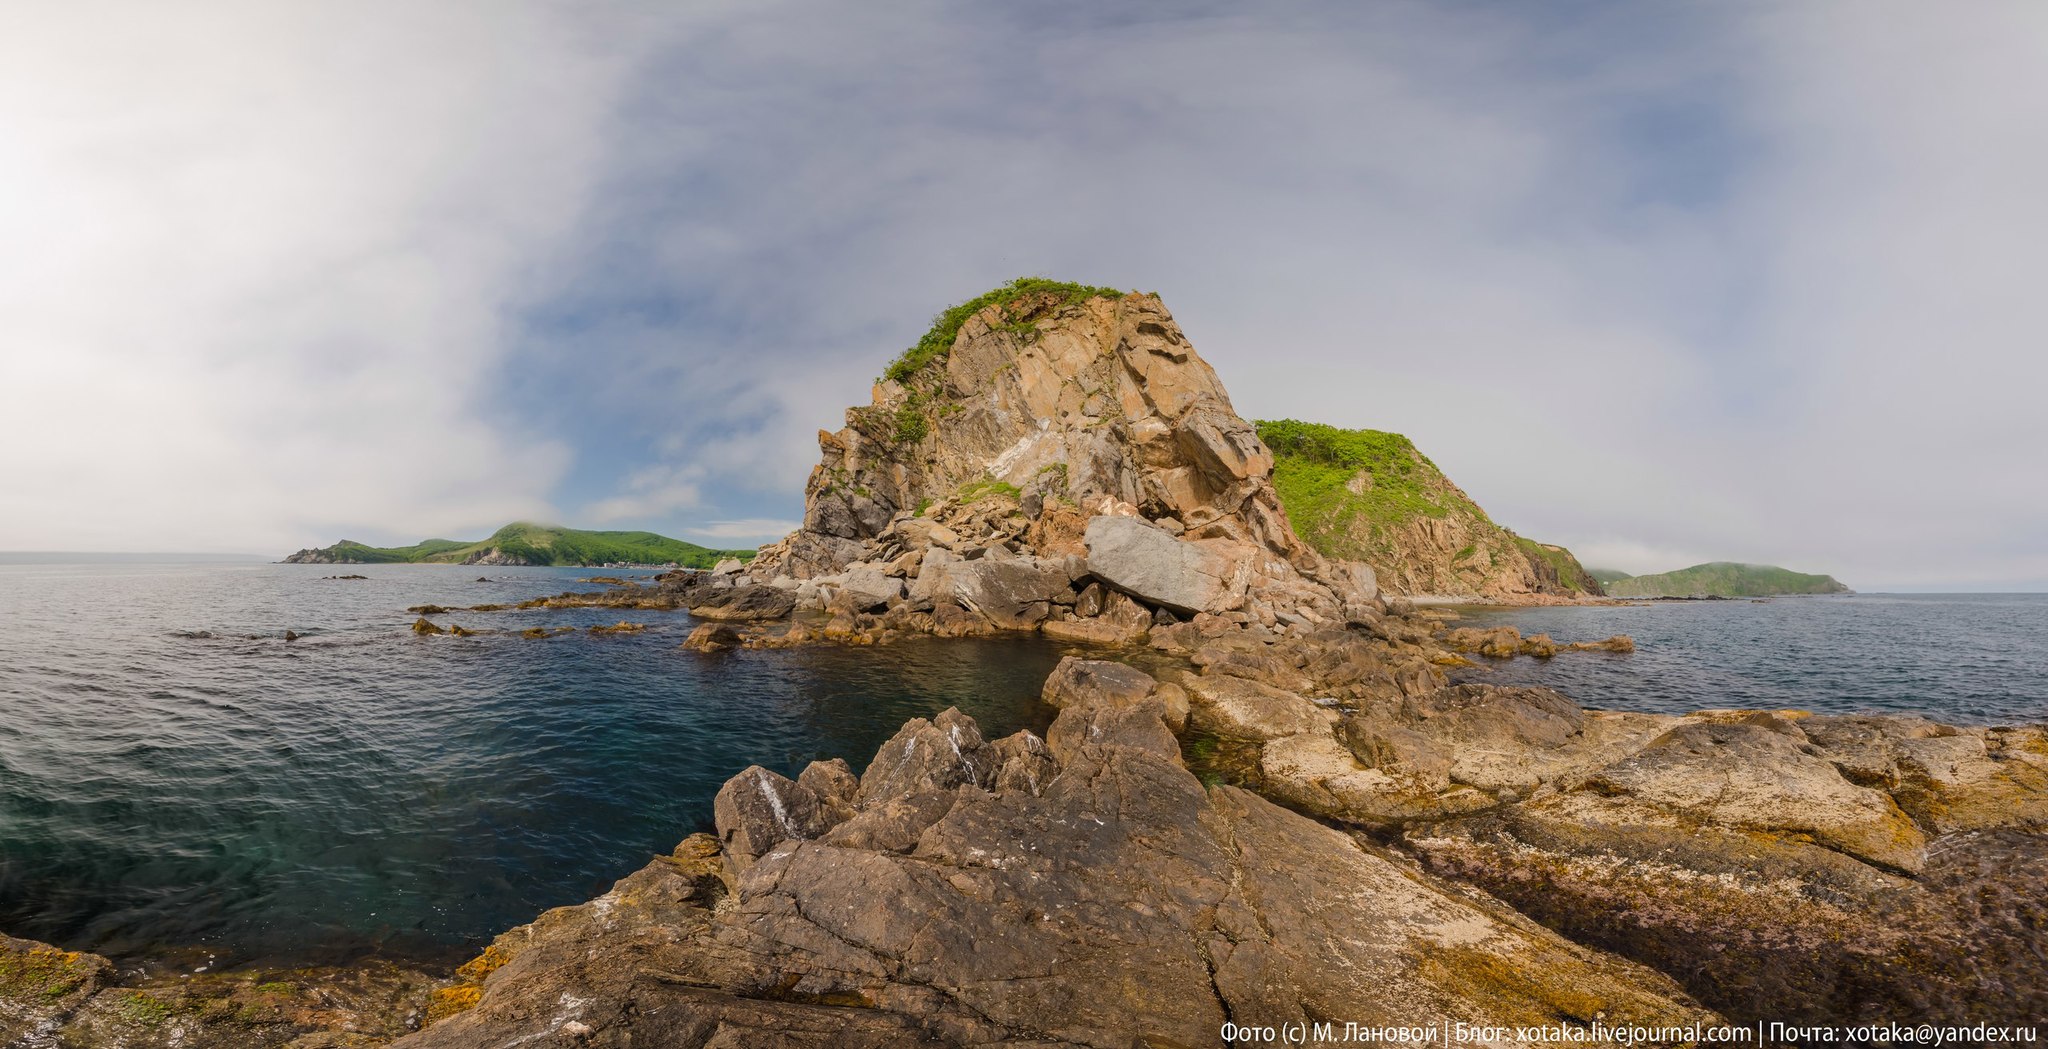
{"points": [[175, 775], [1974, 659]]}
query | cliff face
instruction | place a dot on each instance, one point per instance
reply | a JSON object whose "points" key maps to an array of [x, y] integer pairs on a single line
{"points": [[1373, 497], [1081, 405], [1080, 440]]}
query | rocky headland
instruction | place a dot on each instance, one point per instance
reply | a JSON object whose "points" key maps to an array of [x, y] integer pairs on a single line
{"points": [[523, 543], [1725, 579], [1262, 801], [1374, 497]]}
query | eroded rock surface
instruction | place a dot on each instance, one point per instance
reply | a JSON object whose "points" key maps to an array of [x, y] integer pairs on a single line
{"points": [[57, 999], [1087, 893], [1786, 867], [1057, 448]]}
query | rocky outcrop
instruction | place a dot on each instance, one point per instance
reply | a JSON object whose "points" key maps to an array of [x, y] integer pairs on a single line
{"points": [[1060, 447], [1834, 870], [56, 998], [1372, 496], [1779, 865], [1080, 890]]}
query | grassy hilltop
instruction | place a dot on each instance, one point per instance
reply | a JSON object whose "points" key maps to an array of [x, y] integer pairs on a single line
{"points": [[1726, 579], [1369, 495], [522, 543]]}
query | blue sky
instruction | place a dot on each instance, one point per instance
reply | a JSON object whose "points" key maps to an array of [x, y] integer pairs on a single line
{"points": [[1665, 283]]}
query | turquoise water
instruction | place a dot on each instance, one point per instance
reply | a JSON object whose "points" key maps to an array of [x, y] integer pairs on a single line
{"points": [[1978, 659], [173, 774]]}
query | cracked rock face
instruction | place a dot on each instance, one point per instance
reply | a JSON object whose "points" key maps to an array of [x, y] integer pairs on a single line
{"points": [[1090, 893], [1088, 445], [1791, 868]]}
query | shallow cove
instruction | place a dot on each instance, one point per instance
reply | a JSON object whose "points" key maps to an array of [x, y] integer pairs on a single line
{"points": [[175, 775]]}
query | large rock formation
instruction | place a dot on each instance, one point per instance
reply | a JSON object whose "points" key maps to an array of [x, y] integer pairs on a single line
{"points": [[1781, 866], [1059, 441], [1078, 890]]}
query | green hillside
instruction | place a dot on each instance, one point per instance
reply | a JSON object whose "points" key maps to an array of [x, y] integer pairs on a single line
{"points": [[1368, 495], [522, 543], [1726, 579], [1606, 575]]}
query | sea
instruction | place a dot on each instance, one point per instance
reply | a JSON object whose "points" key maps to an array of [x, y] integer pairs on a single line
{"points": [[178, 780], [1966, 659]]}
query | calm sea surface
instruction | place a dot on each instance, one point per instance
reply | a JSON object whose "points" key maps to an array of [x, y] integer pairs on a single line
{"points": [[1977, 659], [173, 774]]}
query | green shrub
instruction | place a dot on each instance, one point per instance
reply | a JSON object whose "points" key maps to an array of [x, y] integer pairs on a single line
{"points": [[911, 425], [938, 342]]}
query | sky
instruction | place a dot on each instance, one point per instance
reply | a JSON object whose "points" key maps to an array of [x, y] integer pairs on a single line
{"points": [[1664, 283]]}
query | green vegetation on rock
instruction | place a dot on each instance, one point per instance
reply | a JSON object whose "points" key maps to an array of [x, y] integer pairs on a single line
{"points": [[1023, 300], [1570, 574], [975, 491], [1371, 496], [522, 543], [1726, 579], [1331, 480]]}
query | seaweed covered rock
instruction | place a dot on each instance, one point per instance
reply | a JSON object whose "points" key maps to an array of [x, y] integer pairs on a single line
{"points": [[58, 998]]}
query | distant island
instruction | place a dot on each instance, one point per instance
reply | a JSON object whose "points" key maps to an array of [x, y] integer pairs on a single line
{"points": [[1720, 579], [523, 543]]}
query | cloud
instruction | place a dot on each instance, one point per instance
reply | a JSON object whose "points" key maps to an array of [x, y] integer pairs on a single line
{"points": [[754, 530], [1675, 286], [256, 260], [651, 491], [1671, 282]]}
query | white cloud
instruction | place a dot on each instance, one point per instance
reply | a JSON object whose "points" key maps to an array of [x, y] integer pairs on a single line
{"points": [[754, 530], [1746, 282], [652, 491], [254, 262]]}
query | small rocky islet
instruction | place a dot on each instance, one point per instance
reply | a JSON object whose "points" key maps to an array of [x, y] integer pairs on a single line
{"points": [[1262, 801]]}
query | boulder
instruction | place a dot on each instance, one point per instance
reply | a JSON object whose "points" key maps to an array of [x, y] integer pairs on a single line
{"points": [[712, 637], [758, 810], [749, 603], [1761, 775], [869, 587], [1150, 564], [939, 754], [1010, 593], [1117, 620], [1095, 682], [1246, 710]]}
